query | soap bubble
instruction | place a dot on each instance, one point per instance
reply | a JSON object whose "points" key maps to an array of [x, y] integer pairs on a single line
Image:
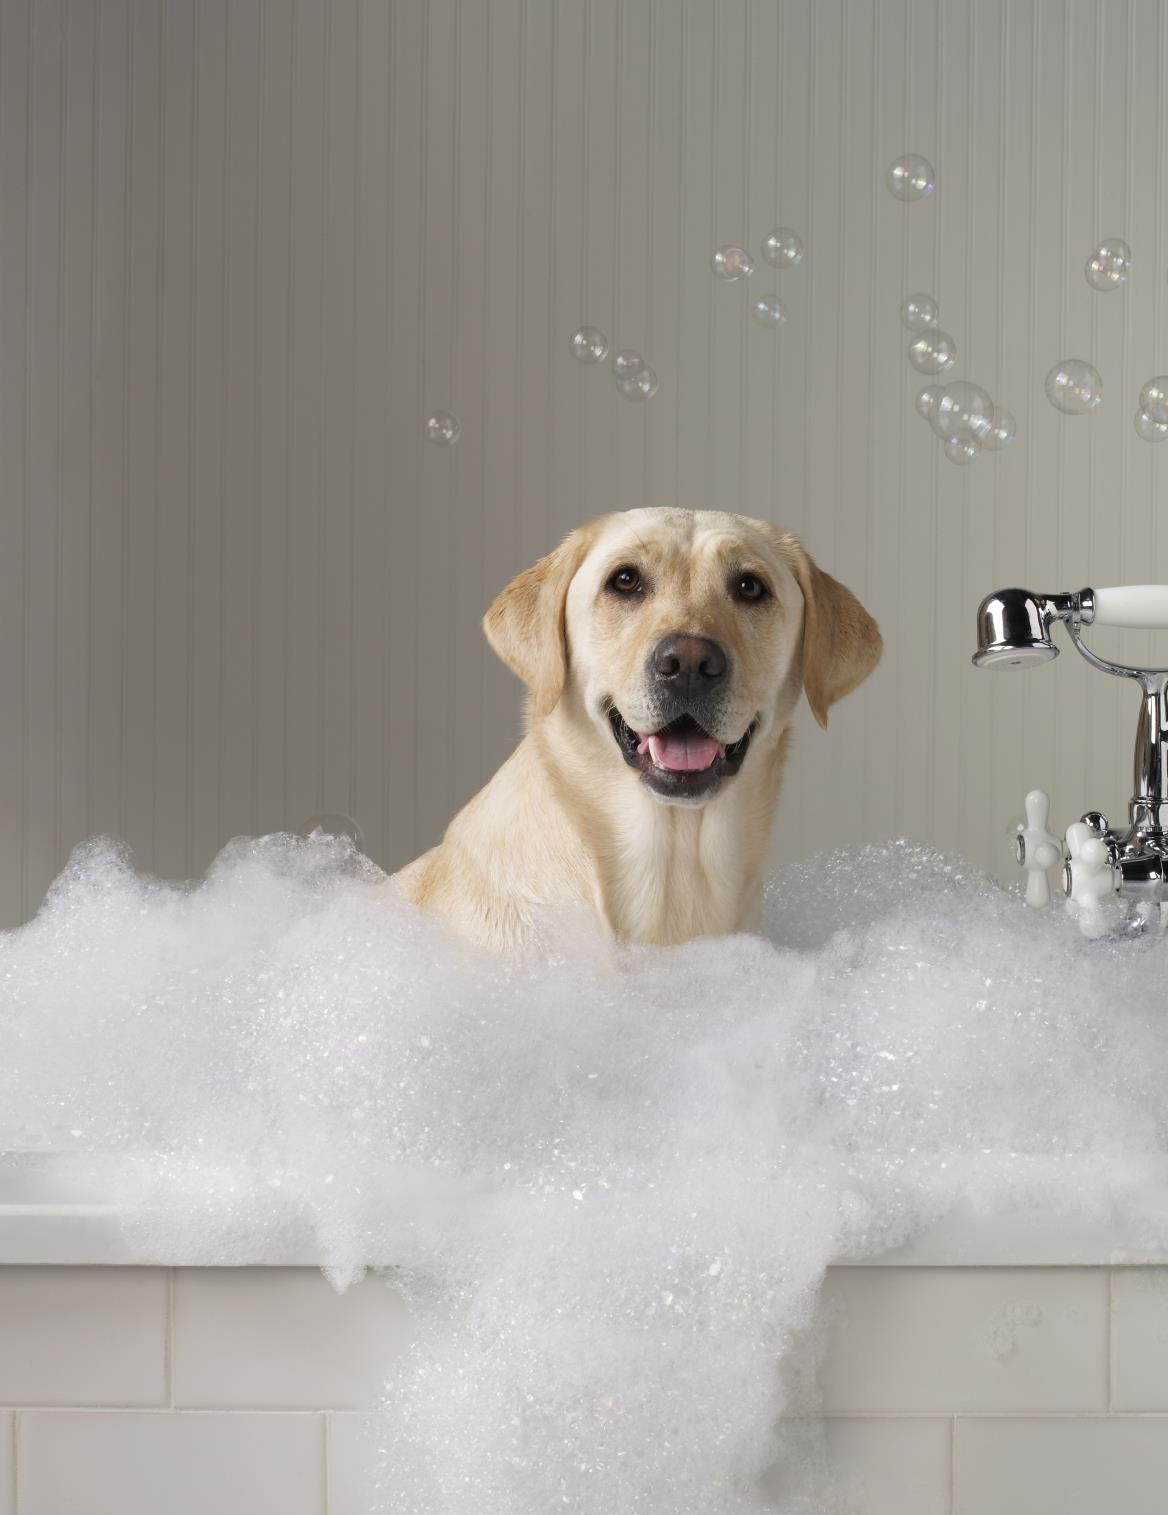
{"points": [[1109, 265], [928, 400], [1154, 398], [919, 312], [932, 351], [964, 409], [1074, 386], [1148, 428], [911, 177], [732, 263], [442, 428], [767, 310], [1001, 432], [783, 248], [335, 824], [589, 345], [641, 385], [961, 449], [627, 364]]}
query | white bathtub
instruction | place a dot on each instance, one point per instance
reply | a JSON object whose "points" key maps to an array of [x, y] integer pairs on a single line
{"points": [[1014, 1364]]}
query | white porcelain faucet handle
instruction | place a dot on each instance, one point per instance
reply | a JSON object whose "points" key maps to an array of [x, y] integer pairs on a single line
{"points": [[1038, 849], [1135, 605], [1090, 880]]}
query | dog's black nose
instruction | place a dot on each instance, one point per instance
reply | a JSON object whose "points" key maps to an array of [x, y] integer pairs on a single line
{"points": [[690, 664]]}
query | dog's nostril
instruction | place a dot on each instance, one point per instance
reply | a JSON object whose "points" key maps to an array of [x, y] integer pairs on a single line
{"points": [[693, 661]]}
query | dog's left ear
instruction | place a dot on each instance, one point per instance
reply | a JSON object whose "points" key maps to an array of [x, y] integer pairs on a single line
{"points": [[841, 641], [527, 625]]}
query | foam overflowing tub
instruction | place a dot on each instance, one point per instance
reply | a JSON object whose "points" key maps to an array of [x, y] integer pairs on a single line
{"points": [[862, 1213]]}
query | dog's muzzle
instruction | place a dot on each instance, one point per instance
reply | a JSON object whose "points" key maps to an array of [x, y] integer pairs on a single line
{"points": [[680, 760]]}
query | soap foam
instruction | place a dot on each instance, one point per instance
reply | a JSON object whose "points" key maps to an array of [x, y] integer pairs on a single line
{"points": [[608, 1179]]}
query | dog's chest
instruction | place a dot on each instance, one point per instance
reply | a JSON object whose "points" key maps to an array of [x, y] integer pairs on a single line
{"points": [[678, 874]]}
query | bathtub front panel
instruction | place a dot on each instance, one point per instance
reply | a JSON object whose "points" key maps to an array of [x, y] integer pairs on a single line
{"points": [[950, 1391]]}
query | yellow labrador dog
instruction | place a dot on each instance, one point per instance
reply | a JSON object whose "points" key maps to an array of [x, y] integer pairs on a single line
{"points": [[664, 652]]}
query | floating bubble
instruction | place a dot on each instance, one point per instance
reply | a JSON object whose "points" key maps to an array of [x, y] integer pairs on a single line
{"points": [[589, 345], [627, 364], [928, 400], [641, 385], [961, 449], [1154, 398], [1109, 265], [919, 312], [964, 409], [335, 824], [932, 351], [442, 428], [1149, 429], [911, 177], [732, 263], [767, 310], [1002, 431], [783, 248], [1074, 386]]}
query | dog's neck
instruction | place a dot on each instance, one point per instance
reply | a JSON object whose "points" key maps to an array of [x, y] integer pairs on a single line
{"points": [[661, 872]]}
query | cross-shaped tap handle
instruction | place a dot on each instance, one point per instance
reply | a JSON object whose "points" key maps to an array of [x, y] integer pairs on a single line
{"points": [[1089, 879], [1036, 848]]}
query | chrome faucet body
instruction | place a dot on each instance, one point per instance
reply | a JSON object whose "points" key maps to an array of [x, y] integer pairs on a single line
{"points": [[1102, 868]]}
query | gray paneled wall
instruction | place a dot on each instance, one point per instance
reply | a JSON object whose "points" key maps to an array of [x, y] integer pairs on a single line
{"points": [[245, 248]]}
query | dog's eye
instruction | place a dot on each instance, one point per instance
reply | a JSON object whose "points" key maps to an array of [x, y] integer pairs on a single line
{"points": [[748, 586], [626, 580]]}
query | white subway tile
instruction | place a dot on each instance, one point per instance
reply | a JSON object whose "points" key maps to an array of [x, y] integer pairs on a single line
{"points": [[1139, 1339], [7, 1463], [283, 1338], [891, 1467], [952, 1339], [82, 1336], [111, 1462], [1109, 1465]]}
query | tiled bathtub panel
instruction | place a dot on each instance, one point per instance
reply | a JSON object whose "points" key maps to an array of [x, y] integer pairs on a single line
{"points": [[283, 1338], [892, 1466], [973, 1339], [187, 1462], [82, 1336], [1139, 1339], [1106, 1465]]}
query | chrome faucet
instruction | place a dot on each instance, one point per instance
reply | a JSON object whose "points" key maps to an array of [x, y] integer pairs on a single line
{"points": [[1111, 879]]}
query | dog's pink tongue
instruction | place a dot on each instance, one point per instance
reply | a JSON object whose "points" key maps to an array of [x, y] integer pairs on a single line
{"points": [[684, 753]]}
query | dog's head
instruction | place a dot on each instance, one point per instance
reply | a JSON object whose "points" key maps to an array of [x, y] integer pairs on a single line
{"points": [[683, 636]]}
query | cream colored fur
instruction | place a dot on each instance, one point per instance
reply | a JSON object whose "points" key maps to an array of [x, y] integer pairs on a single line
{"points": [[566, 821]]}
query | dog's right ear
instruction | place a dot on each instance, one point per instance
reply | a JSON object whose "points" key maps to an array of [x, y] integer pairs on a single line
{"points": [[527, 624]]}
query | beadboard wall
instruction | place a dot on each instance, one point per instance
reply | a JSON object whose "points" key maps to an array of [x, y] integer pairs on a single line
{"points": [[246, 246]]}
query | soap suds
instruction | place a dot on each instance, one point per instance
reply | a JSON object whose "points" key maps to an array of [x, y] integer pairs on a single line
{"points": [[608, 1180]]}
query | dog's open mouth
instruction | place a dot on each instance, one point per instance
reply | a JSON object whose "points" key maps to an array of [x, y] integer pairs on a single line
{"points": [[681, 760]]}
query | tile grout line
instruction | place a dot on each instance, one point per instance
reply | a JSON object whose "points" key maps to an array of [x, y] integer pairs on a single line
{"points": [[952, 1464], [168, 1339], [1109, 1337], [226, 1411], [940, 1414], [325, 1443], [14, 1481]]}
